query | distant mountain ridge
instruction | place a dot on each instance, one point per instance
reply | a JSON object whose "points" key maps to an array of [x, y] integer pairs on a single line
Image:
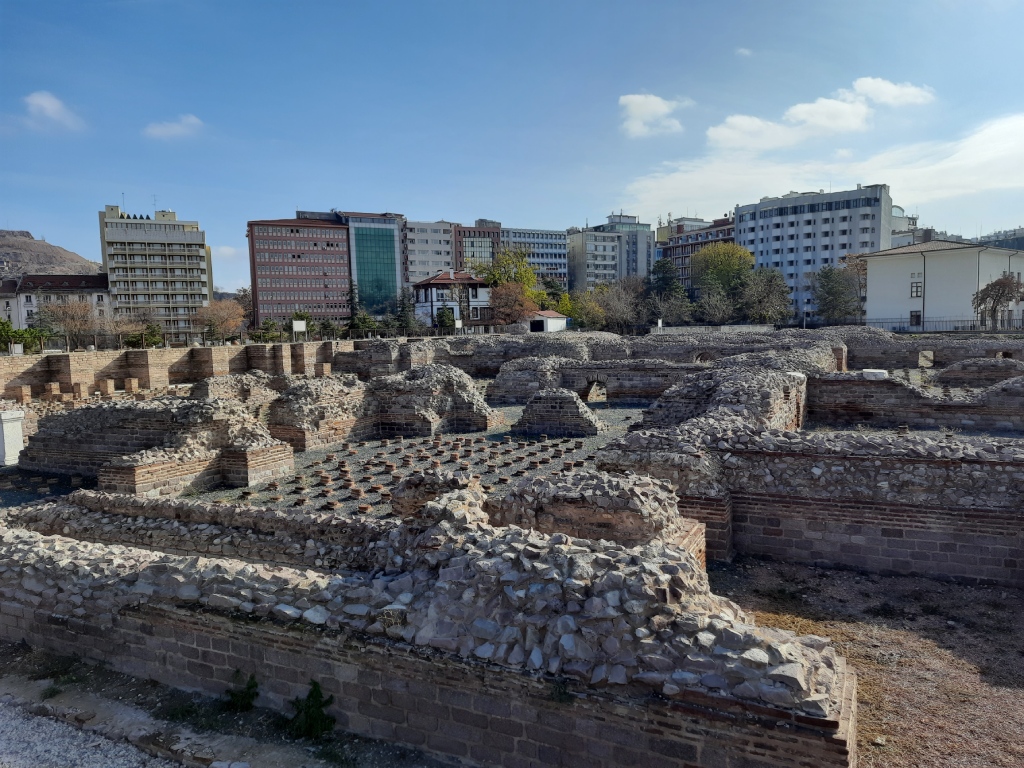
{"points": [[22, 254]]}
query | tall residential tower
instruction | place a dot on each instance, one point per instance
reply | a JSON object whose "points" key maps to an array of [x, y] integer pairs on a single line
{"points": [[159, 268]]}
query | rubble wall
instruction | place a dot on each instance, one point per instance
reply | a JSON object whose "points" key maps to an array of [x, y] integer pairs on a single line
{"points": [[450, 639], [847, 399]]}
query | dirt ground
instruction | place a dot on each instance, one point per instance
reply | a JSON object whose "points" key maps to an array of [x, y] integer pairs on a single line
{"points": [[940, 666]]}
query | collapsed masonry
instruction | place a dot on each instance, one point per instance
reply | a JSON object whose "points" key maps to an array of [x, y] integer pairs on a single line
{"points": [[428, 610], [426, 401], [159, 447], [559, 413]]}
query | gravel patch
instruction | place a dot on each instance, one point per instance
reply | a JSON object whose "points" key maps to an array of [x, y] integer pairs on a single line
{"points": [[27, 741]]}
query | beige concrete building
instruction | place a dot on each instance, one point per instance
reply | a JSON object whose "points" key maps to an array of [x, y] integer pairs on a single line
{"points": [[158, 267]]}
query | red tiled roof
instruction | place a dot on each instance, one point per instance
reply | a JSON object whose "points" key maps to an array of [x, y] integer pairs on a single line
{"points": [[546, 313], [444, 279], [63, 283]]}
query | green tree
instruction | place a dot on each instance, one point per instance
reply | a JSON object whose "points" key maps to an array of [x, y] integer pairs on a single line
{"points": [[361, 321], [836, 292], [586, 312], [715, 306], [445, 317], [406, 313], [150, 336], [511, 264], [724, 264], [325, 329], [673, 308], [564, 305], [664, 278], [765, 297]]}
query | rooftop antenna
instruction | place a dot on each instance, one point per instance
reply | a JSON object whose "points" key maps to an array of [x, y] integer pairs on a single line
{"points": [[122, 201], [154, 202]]}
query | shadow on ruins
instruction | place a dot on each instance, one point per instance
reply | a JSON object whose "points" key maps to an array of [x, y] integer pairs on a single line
{"points": [[505, 530]]}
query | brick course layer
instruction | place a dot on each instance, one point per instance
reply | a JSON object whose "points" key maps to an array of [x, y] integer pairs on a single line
{"points": [[480, 714]]}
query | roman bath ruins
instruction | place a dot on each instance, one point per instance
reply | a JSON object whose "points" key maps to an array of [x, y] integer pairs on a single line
{"points": [[495, 548]]}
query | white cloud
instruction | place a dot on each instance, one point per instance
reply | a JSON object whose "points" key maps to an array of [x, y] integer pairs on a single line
{"points": [[848, 111], [227, 251], [989, 158], [892, 94], [744, 52], [183, 127], [645, 114], [46, 111]]}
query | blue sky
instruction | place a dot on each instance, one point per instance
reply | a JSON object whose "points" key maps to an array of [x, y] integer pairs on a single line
{"points": [[541, 114]]}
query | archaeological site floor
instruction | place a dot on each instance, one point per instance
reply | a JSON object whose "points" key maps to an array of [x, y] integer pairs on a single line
{"points": [[940, 666]]}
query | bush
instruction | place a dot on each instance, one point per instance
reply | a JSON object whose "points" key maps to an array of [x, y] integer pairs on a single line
{"points": [[242, 699], [310, 721]]}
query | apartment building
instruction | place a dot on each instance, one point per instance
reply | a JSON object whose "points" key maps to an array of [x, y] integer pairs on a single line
{"points": [[476, 244], [427, 247], [159, 267], [683, 244], [548, 250], [800, 232], [621, 247], [23, 297], [592, 258], [299, 264]]}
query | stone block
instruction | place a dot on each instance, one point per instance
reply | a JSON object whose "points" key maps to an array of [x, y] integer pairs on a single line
{"points": [[11, 439], [322, 369], [131, 386], [106, 387]]}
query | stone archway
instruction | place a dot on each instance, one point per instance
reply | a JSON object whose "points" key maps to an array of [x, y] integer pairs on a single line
{"points": [[705, 357]]}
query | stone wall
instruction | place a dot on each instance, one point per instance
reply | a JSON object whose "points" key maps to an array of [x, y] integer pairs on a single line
{"points": [[559, 413], [449, 637], [980, 371], [945, 507], [846, 399], [158, 447]]}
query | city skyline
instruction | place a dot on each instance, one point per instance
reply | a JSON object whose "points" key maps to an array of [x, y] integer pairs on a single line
{"points": [[459, 112]]}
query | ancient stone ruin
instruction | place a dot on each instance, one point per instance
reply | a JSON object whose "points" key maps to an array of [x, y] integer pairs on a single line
{"points": [[533, 588], [558, 412], [159, 447]]}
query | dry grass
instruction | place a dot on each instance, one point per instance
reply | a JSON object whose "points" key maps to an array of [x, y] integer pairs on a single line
{"points": [[940, 666]]}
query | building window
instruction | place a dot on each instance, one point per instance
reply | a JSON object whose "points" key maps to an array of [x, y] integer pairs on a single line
{"points": [[915, 318], [915, 290]]}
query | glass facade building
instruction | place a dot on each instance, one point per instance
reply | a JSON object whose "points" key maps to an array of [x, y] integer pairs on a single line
{"points": [[376, 262]]}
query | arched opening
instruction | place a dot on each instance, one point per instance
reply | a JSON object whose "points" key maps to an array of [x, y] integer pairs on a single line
{"points": [[595, 392], [705, 357]]}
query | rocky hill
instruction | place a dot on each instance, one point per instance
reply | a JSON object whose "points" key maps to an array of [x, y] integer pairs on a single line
{"points": [[22, 254]]}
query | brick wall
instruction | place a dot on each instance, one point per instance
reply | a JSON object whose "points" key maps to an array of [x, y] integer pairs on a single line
{"points": [[478, 713], [972, 545], [889, 403]]}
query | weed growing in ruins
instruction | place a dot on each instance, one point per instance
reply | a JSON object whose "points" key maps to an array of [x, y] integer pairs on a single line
{"points": [[310, 721], [57, 668], [560, 691], [241, 699], [50, 691]]}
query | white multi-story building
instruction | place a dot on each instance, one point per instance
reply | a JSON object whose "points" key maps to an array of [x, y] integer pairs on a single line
{"points": [[160, 268], [426, 248], [548, 250], [801, 232], [22, 298], [593, 258]]}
